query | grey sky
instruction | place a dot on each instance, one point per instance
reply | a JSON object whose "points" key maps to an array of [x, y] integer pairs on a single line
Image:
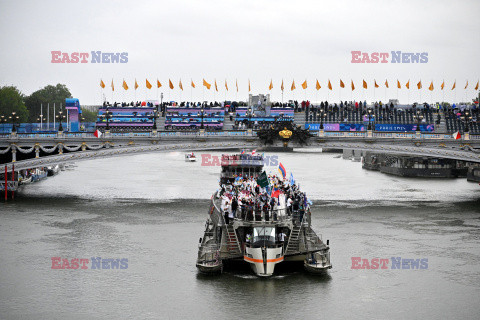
{"points": [[256, 40]]}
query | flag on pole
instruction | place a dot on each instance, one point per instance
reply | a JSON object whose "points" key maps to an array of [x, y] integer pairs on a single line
{"points": [[386, 83], [97, 133], [476, 87], [457, 135], [454, 85], [136, 84], [399, 86], [270, 87], [293, 86], [254, 151], [364, 84], [180, 85], [292, 181], [431, 86], [304, 84], [147, 84], [158, 84], [282, 87], [353, 86], [226, 86], [419, 84], [216, 88], [282, 170], [124, 85], [192, 84], [206, 84], [342, 85], [466, 85], [318, 86], [113, 87], [443, 84], [170, 84], [375, 83], [262, 180], [102, 84], [329, 85], [236, 84], [249, 85], [408, 84]]}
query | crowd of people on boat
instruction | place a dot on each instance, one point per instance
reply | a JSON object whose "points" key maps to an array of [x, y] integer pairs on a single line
{"points": [[246, 200]]}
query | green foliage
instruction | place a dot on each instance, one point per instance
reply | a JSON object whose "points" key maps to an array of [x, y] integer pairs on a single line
{"points": [[89, 116], [48, 95], [270, 135], [11, 100]]}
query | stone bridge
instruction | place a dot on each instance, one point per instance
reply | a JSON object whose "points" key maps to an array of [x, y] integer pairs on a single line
{"points": [[49, 149]]}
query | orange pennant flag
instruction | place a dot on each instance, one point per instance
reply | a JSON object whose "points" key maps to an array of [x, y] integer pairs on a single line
{"points": [[408, 84], [353, 86], [375, 82], [248, 85], [476, 87], [124, 85], [293, 86], [147, 84], [304, 84], [386, 83], [180, 85], [318, 86], [113, 87], [466, 85], [342, 85], [236, 84], [282, 87], [419, 84], [158, 84], [443, 84], [270, 87], [216, 88], [226, 86], [136, 84], [192, 84], [398, 85], [454, 84], [170, 84], [329, 85], [102, 84], [206, 84], [365, 85], [431, 86]]}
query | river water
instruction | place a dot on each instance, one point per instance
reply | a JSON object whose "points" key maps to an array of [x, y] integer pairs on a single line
{"points": [[151, 210]]}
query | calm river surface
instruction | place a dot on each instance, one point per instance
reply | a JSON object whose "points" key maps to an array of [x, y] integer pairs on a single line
{"points": [[151, 210]]}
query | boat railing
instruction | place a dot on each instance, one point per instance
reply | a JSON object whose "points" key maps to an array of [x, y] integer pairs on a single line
{"points": [[208, 254]]}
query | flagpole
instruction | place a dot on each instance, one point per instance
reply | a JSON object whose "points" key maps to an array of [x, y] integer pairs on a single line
{"points": [[54, 122], [41, 117], [48, 116]]}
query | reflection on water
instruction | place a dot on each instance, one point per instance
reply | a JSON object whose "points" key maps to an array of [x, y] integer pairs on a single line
{"points": [[154, 217]]}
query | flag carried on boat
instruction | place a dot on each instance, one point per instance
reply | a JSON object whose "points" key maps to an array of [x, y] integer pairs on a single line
{"points": [[457, 135], [254, 151], [97, 133], [282, 170], [262, 180], [292, 180]]}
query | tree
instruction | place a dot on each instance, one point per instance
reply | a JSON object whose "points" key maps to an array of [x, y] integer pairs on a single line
{"points": [[90, 116], [49, 95], [11, 100]]}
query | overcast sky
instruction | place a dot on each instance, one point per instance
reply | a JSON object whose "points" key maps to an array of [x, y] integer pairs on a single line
{"points": [[248, 39]]}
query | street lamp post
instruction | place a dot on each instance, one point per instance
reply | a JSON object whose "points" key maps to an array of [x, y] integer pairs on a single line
{"points": [[369, 111], [201, 115], [154, 116], [467, 118], [249, 118], [40, 119], [107, 115], [60, 116], [322, 116], [419, 118], [14, 118]]}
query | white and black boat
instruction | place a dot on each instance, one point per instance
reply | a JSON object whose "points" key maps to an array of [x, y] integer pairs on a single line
{"points": [[190, 157], [260, 220]]}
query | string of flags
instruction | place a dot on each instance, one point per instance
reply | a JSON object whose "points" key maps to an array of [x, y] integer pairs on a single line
{"points": [[270, 86]]}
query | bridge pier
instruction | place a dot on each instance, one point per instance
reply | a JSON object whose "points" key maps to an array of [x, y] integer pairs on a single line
{"points": [[466, 136], [37, 150], [60, 148]]}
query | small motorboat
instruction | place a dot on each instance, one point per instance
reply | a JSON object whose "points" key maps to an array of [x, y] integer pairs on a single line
{"points": [[318, 262], [25, 180], [190, 157], [53, 170]]}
